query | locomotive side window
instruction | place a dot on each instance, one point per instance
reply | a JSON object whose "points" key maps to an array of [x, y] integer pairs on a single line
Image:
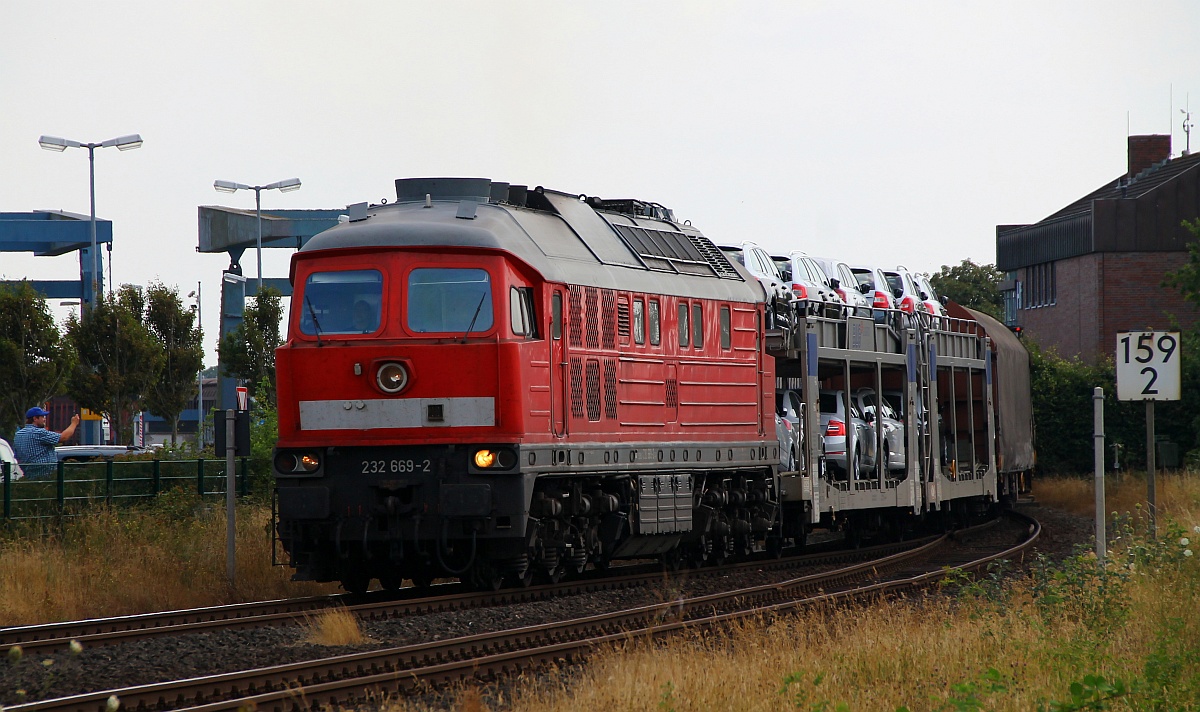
{"points": [[655, 332], [456, 300], [683, 324], [556, 315], [520, 312], [639, 321], [726, 328], [697, 326], [346, 302]]}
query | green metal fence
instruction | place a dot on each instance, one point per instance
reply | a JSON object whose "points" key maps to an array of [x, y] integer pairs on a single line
{"points": [[73, 486]]}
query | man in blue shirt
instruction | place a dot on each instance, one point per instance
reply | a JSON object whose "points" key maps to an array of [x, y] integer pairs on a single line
{"points": [[34, 444]]}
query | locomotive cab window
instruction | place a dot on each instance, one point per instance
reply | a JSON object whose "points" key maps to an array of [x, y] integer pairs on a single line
{"points": [[346, 302], [520, 312], [697, 325], [655, 326], [726, 328], [683, 324], [455, 300], [639, 321], [556, 316]]}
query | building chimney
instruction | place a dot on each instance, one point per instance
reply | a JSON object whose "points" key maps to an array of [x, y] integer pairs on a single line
{"points": [[1145, 151]]}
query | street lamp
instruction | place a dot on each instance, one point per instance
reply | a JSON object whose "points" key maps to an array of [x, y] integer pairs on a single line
{"points": [[284, 186], [123, 143]]}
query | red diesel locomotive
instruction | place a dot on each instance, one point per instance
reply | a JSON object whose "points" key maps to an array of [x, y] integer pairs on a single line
{"points": [[489, 382]]}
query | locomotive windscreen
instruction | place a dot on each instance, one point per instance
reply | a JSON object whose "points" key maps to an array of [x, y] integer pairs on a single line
{"points": [[453, 300], [346, 302]]}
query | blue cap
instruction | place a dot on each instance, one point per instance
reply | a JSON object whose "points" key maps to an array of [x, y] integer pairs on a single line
{"points": [[35, 412]]}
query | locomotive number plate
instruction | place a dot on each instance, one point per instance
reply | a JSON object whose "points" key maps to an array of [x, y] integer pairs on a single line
{"points": [[395, 466]]}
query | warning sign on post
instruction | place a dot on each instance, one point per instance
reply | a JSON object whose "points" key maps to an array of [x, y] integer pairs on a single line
{"points": [[243, 398], [1148, 365]]}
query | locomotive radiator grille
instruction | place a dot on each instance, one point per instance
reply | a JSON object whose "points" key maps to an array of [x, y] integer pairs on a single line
{"points": [[576, 388], [610, 388], [593, 389], [575, 316], [609, 335], [591, 318]]}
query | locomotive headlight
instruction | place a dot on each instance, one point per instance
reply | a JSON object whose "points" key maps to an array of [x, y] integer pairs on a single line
{"points": [[485, 458], [391, 377], [297, 463], [494, 459]]}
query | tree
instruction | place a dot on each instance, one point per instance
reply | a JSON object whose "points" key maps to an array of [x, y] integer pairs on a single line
{"points": [[1187, 278], [119, 359], [183, 354], [34, 357], [972, 285], [249, 352]]}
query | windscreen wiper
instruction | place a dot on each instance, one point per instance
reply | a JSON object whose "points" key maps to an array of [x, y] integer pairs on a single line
{"points": [[472, 324], [313, 315]]}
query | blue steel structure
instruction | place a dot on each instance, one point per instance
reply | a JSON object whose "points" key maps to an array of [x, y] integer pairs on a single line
{"points": [[52, 233]]}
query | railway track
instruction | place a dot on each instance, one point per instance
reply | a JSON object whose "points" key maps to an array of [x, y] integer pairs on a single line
{"points": [[375, 606], [351, 679]]}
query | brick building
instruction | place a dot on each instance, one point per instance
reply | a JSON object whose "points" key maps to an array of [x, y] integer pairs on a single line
{"points": [[1095, 268]]}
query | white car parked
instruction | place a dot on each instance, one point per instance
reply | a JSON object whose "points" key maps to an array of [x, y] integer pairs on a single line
{"points": [[7, 455]]}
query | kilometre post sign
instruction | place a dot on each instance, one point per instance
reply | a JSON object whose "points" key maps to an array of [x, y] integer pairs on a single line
{"points": [[1148, 365]]}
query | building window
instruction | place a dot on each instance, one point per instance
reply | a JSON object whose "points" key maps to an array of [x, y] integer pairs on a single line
{"points": [[1040, 288]]}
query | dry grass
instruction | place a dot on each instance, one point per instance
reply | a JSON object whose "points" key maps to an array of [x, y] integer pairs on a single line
{"points": [[336, 626], [1178, 494], [124, 561]]}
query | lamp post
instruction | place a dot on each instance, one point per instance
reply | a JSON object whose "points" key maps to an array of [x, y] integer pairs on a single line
{"points": [[123, 143], [285, 186]]}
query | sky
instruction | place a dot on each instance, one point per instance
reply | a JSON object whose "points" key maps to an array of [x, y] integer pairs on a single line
{"points": [[871, 131]]}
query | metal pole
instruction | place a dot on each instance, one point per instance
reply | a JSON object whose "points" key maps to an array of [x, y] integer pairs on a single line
{"points": [[230, 495], [1098, 430], [258, 218], [95, 257], [1150, 495], [200, 374]]}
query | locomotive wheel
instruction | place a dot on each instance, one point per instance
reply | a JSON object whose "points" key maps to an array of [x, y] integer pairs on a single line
{"points": [[486, 577], [356, 582], [421, 577], [391, 581], [525, 580]]}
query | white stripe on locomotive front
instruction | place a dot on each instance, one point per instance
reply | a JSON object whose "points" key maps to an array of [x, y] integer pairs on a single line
{"points": [[374, 414]]}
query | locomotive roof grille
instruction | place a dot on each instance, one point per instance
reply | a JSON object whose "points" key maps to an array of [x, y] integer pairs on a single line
{"points": [[675, 251]]}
